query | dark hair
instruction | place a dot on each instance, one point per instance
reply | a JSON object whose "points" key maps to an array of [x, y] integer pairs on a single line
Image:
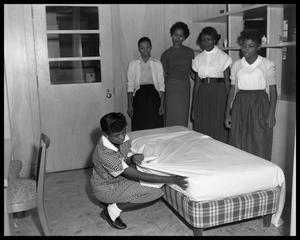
{"points": [[113, 122], [209, 31], [144, 39], [180, 25], [250, 34]]}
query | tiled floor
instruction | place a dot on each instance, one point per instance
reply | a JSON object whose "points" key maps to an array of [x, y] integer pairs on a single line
{"points": [[72, 211]]}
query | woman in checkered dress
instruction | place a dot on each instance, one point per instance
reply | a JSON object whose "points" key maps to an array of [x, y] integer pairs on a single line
{"points": [[115, 179]]}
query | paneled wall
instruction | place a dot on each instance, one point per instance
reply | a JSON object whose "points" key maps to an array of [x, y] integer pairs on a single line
{"points": [[155, 21], [284, 139], [19, 60]]}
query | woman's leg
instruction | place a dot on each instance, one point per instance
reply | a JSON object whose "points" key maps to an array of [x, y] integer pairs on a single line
{"points": [[130, 205]]}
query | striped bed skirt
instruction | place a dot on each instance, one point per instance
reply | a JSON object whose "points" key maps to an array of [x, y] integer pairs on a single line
{"points": [[205, 214]]}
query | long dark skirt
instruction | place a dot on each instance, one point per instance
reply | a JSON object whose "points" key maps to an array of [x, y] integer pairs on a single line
{"points": [[249, 130], [146, 103], [177, 101], [209, 109]]}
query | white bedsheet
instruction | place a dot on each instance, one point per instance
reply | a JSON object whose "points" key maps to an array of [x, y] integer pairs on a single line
{"points": [[215, 170]]}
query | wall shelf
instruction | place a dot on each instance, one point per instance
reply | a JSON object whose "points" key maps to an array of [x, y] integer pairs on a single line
{"points": [[221, 18], [274, 45], [277, 45]]}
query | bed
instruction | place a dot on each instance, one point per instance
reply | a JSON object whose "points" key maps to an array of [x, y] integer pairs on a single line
{"points": [[225, 184]]}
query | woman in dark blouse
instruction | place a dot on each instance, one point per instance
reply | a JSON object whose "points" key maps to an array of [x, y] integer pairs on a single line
{"points": [[177, 61]]}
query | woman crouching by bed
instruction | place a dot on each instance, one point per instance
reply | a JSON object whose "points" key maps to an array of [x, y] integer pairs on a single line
{"points": [[115, 179]]}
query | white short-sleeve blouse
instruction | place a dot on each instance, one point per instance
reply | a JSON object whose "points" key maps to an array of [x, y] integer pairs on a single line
{"points": [[256, 76], [212, 63]]}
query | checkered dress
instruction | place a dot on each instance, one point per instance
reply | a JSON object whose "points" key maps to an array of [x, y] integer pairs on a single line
{"points": [[107, 183]]}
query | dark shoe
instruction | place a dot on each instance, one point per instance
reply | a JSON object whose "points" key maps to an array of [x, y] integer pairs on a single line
{"points": [[118, 223]]}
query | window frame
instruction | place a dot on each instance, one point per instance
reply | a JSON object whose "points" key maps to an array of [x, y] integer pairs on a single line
{"points": [[81, 31]]}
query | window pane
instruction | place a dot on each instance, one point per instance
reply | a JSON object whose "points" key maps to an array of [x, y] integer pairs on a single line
{"points": [[72, 18], [65, 72], [73, 45]]}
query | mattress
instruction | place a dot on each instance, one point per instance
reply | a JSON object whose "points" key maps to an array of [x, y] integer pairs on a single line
{"points": [[214, 170]]}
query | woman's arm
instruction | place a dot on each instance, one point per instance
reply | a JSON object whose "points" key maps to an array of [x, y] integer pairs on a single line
{"points": [[163, 60], [193, 75], [162, 103], [226, 78], [197, 83], [130, 87], [230, 96], [136, 175], [130, 107], [271, 120]]}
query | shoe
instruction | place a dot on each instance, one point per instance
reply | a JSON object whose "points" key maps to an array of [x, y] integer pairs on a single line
{"points": [[118, 223]]}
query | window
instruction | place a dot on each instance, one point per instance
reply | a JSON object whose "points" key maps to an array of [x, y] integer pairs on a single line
{"points": [[73, 39]]}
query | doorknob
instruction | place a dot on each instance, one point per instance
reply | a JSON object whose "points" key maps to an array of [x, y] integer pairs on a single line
{"points": [[108, 94]]}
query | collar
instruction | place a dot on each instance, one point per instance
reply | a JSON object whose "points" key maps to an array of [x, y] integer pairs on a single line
{"points": [[254, 64], [140, 60], [108, 144], [214, 50]]}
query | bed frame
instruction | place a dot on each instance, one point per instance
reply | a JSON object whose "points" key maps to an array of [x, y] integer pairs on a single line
{"points": [[204, 214]]}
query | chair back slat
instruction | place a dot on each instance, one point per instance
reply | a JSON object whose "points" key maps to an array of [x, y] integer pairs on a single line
{"points": [[44, 144], [41, 167], [45, 139]]}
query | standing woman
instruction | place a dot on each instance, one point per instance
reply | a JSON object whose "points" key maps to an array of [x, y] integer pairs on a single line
{"points": [[250, 111], [211, 86], [146, 86], [177, 61]]}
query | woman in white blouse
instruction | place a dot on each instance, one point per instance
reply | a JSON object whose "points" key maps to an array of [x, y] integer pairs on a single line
{"points": [[250, 110], [146, 87], [211, 86]]}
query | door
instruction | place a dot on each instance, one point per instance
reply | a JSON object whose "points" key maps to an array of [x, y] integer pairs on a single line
{"points": [[75, 79]]}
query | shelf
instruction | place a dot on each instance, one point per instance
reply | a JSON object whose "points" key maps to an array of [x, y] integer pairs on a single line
{"points": [[277, 45], [222, 18]]}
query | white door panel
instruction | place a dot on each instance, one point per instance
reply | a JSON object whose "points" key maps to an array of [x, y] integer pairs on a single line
{"points": [[70, 113]]}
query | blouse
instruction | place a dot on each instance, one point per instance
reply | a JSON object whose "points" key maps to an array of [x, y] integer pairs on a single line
{"points": [[146, 73], [109, 161], [134, 75], [256, 76], [212, 63]]}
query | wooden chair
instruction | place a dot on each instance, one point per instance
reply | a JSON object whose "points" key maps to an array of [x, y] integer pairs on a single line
{"points": [[24, 193]]}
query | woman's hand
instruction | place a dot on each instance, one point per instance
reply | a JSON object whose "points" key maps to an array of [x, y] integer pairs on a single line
{"points": [[227, 121], [271, 120], [137, 158], [130, 111], [180, 181], [161, 110], [193, 75]]}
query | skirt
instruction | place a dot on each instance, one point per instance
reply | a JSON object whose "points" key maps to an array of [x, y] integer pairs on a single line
{"points": [[146, 103], [249, 131], [177, 102], [209, 105]]}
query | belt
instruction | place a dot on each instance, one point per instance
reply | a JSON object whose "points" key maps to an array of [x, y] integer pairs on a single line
{"points": [[212, 80]]}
